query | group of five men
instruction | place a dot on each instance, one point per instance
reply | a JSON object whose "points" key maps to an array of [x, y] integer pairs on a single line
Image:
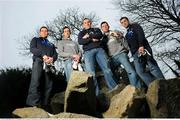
{"points": [[106, 48]]}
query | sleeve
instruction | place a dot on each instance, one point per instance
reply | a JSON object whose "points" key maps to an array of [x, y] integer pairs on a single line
{"points": [[140, 35], [97, 34], [36, 51], [78, 49], [55, 54], [61, 52], [125, 43], [82, 41]]}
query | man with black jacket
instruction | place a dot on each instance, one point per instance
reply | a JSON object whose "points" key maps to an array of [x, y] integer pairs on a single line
{"points": [[141, 52], [93, 52], [43, 52]]}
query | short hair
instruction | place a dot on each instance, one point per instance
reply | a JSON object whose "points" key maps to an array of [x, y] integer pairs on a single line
{"points": [[66, 27], [43, 27], [86, 19], [124, 18], [104, 22]]}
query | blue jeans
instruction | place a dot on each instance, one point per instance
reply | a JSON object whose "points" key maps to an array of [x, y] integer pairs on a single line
{"points": [[122, 58], [98, 54], [68, 68], [35, 95], [140, 66]]}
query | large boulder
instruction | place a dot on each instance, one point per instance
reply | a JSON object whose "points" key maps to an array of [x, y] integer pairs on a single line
{"points": [[116, 90], [103, 99], [57, 103], [30, 112], [163, 97], [34, 112], [80, 94], [125, 104], [70, 115]]}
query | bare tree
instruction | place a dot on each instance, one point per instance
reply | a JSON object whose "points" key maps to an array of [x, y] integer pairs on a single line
{"points": [[160, 20], [71, 17]]}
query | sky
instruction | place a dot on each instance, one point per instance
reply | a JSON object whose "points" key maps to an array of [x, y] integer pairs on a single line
{"points": [[22, 17]]}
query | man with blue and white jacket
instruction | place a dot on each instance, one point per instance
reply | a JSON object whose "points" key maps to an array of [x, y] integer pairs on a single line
{"points": [[44, 52]]}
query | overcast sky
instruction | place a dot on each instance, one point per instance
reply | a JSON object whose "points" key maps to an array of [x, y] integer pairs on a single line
{"points": [[21, 17]]}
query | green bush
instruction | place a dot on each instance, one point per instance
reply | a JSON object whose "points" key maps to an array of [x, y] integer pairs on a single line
{"points": [[14, 84]]}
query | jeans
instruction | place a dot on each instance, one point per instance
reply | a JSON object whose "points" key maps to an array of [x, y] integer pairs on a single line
{"points": [[122, 58], [35, 95], [68, 68], [98, 55], [140, 66]]}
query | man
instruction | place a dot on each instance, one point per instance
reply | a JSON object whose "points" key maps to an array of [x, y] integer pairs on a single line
{"points": [[93, 52], [141, 51], [43, 53], [68, 50], [117, 49]]}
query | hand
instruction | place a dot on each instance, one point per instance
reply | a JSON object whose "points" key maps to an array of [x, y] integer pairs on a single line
{"points": [[114, 34], [120, 34], [45, 57], [86, 36], [76, 57], [49, 60], [141, 50]]}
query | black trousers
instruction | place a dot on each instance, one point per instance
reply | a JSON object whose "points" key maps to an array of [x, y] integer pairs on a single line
{"points": [[36, 95]]}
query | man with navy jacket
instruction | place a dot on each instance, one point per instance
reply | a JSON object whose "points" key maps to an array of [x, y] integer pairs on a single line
{"points": [[141, 52], [44, 52]]}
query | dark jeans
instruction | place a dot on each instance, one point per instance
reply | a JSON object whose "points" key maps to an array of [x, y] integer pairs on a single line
{"points": [[35, 95], [154, 72]]}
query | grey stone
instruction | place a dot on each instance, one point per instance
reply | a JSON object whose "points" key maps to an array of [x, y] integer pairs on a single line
{"points": [[70, 115], [125, 104], [30, 112], [163, 97], [80, 94], [57, 103]]}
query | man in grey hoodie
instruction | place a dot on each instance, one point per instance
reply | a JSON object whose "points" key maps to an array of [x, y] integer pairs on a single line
{"points": [[68, 50], [117, 48]]}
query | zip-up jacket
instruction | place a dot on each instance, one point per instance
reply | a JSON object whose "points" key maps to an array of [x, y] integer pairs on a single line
{"points": [[136, 38], [41, 46], [88, 44]]}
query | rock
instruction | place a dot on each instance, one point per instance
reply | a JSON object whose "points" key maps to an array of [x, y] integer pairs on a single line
{"points": [[116, 90], [163, 97], [125, 104], [57, 103], [30, 112], [70, 115], [80, 94], [103, 99]]}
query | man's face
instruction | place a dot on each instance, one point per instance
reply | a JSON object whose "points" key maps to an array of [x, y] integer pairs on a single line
{"points": [[66, 33], [105, 27], [43, 33], [86, 24], [124, 22]]}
